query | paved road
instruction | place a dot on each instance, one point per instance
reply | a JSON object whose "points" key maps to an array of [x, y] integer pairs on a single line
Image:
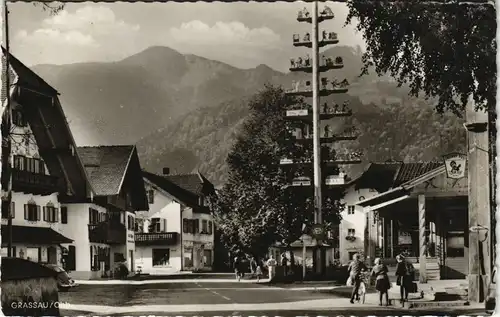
{"points": [[203, 298], [184, 294]]}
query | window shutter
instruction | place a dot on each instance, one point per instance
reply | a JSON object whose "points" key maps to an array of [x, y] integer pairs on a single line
{"points": [[24, 164], [41, 167], [25, 212], [13, 210], [91, 259], [45, 218], [56, 211], [184, 226], [164, 225], [38, 213], [64, 214], [90, 216], [210, 228]]}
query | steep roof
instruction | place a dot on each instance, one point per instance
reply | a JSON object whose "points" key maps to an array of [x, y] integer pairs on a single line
{"points": [[106, 166], [186, 187], [387, 175]]}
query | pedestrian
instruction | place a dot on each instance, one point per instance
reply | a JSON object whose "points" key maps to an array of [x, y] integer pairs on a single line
{"points": [[271, 265], [253, 265], [356, 267], [382, 283], [405, 273], [284, 263], [237, 267], [258, 272]]}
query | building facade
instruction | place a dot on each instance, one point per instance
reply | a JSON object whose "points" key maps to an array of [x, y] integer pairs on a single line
{"points": [[177, 234], [46, 171]]}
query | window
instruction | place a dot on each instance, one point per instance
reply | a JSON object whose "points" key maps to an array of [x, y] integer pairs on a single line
{"points": [[32, 212], [18, 118], [350, 210], [151, 196], [185, 225], [29, 164], [351, 232], [50, 214], [94, 217], [196, 226], [5, 214], [204, 226], [130, 223], [207, 257], [210, 228], [161, 257], [64, 214], [155, 225]]}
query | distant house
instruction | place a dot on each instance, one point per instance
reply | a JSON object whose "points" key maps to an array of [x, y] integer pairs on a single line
{"points": [[107, 221], [46, 172], [177, 234]]}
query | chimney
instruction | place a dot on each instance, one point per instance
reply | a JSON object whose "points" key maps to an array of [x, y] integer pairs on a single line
{"points": [[166, 171]]}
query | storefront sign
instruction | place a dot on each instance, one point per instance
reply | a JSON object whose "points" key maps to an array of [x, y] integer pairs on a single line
{"points": [[455, 164], [404, 237], [335, 179]]}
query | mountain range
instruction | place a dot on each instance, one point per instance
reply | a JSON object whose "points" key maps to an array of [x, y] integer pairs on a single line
{"points": [[183, 111]]}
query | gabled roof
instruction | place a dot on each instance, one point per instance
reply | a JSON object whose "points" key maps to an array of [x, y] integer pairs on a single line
{"points": [[106, 166], [384, 176], [187, 188]]}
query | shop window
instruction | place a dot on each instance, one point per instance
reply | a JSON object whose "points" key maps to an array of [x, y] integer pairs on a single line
{"points": [[161, 257], [207, 257], [188, 257]]}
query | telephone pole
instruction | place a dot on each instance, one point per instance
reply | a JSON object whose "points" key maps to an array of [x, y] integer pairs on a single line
{"points": [[322, 157]]}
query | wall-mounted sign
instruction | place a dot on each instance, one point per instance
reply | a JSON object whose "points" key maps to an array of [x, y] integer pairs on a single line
{"points": [[286, 161], [455, 164], [297, 113]]}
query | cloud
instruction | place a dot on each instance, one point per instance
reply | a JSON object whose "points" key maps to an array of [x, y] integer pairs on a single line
{"points": [[70, 37], [222, 33]]}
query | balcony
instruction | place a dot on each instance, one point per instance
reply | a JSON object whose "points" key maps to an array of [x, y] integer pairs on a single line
{"points": [[305, 64], [156, 238], [38, 184], [305, 16], [327, 38], [108, 232]]}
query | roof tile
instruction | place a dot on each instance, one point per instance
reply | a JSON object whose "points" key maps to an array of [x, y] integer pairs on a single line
{"points": [[106, 166]]}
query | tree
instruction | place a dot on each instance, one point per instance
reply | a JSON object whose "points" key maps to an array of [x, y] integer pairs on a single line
{"points": [[444, 51], [257, 207]]}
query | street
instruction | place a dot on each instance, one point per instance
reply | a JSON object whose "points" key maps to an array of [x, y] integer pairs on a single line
{"points": [[223, 298]]}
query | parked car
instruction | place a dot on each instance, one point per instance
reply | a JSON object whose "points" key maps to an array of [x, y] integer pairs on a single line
{"points": [[64, 281], [490, 302]]}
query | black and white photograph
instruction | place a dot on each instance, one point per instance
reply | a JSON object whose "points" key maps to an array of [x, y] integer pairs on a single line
{"points": [[250, 158]]}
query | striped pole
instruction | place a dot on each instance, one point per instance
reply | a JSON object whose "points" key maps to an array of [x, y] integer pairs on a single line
{"points": [[421, 238]]}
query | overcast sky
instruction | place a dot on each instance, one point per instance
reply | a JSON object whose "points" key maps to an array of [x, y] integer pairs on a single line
{"points": [[241, 34]]}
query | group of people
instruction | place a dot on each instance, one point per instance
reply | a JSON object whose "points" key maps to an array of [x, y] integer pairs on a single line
{"points": [[336, 108], [405, 276], [306, 61], [256, 267]]}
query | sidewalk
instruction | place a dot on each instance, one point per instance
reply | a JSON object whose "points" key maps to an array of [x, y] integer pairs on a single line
{"points": [[165, 281]]}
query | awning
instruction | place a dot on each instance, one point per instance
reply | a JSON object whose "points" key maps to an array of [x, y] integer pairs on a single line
{"points": [[389, 195], [33, 235]]}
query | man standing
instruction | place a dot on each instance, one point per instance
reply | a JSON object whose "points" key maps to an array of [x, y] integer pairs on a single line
{"points": [[355, 269], [271, 265]]}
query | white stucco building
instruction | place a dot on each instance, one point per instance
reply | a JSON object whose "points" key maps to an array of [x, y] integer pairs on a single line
{"points": [[177, 234], [70, 206]]}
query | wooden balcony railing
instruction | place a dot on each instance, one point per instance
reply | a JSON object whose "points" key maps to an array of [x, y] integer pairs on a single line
{"points": [[34, 183], [108, 232], [156, 238]]}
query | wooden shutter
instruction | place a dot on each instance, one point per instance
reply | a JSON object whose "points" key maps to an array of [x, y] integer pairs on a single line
{"points": [[45, 218], [56, 216], [41, 167], [38, 213], [90, 216], [196, 226], [210, 228], [64, 214], [26, 211], [91, 258], [164, 225], [12, 210], [185, 225]]}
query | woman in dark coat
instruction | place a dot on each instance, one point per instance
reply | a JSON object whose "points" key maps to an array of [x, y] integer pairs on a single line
{"points": [[382, 283], [404, 276]]}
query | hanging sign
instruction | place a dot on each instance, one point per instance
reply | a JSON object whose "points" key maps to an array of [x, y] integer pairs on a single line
{"points": [[455, 164], [404, 237]]}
